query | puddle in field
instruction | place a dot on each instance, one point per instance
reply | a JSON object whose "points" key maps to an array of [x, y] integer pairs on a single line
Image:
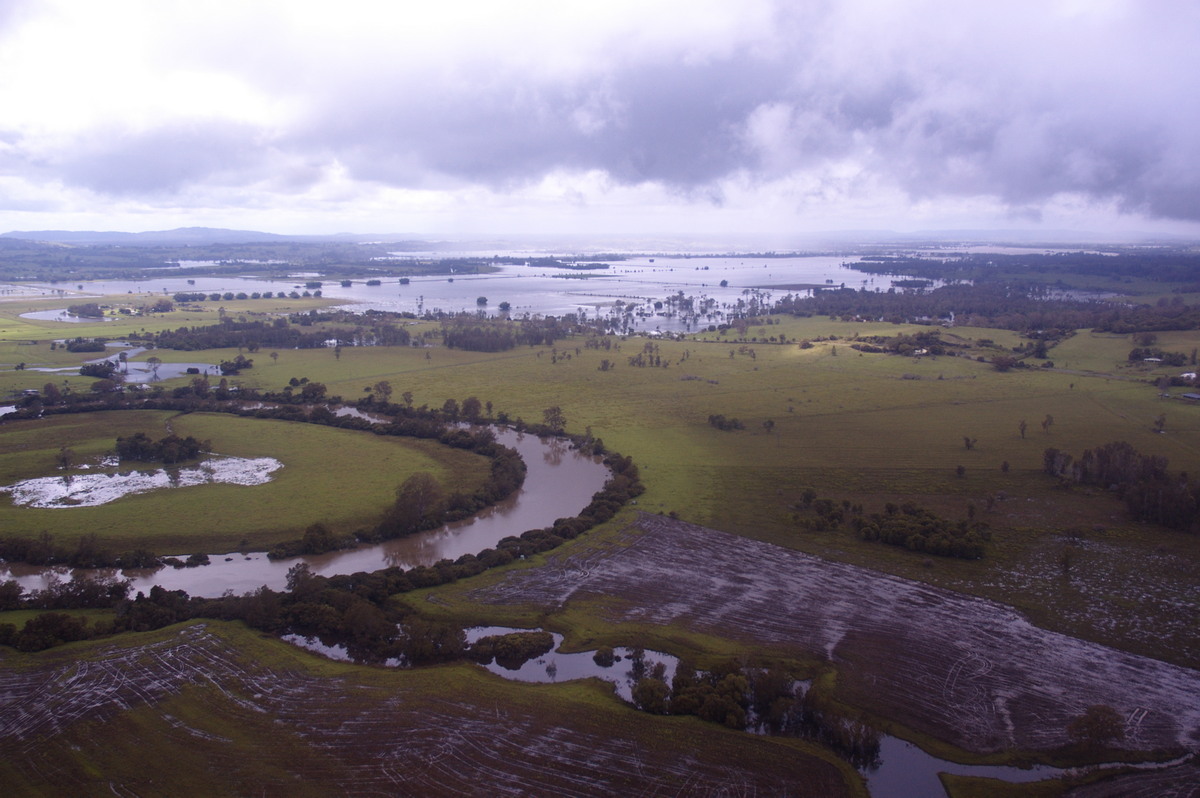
{"points": [[91, 490]]}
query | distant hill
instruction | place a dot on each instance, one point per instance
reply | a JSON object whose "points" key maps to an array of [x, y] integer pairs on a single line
{"points": [[183, 236]]}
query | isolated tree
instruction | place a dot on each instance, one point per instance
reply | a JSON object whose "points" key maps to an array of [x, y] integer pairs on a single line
{"points": [[1047, 422], [769, 425], [407, 396], [481, 301], [65, 458], [471, 408], [274, 357], [554, 419], [969, 442], [1022, 427], [381, 392], [1097, 727], [1160, 423]]}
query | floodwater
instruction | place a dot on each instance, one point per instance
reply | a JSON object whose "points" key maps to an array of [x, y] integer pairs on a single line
{"points": [[91, 490], [61, 315], [554, 666], [557, 666], [559, 482], [905, 771], [640, 281]]}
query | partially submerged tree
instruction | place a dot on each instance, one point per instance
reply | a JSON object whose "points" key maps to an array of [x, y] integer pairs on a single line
{"points": [[554, 419]]}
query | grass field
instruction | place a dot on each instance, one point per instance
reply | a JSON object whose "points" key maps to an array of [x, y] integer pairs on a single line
{"points": [[867, 428], [342, 478]]}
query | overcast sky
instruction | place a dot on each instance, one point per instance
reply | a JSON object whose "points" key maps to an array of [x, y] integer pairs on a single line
{"points": [[621, 116]]}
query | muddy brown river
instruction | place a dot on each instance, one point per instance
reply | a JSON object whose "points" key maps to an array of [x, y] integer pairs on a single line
{"points": [[559, 482]]}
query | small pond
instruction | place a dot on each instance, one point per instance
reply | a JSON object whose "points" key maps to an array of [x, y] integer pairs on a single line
{"points": [[61, 315]]}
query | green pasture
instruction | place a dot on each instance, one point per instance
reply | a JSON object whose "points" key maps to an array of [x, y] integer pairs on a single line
{"points": [[342, 478], [864, 428]]}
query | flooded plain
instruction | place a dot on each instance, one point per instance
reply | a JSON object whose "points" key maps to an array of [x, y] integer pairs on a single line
{"points": [[638, 293]]}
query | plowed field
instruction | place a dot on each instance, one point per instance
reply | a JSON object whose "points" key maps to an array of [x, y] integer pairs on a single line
{"points": [[961, 669], [214, 710]]}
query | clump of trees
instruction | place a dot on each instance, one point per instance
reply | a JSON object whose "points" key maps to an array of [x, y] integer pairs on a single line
{"points": [[752, 697], [1138, 354], [171, 449], [84, 345], [468, 331], [104, 370], [1150, 491], [511, 651], [918, 529], [722, 423], [86, 309]]}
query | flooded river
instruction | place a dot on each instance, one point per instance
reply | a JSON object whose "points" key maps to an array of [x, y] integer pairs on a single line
{"points": [[559, 482]]}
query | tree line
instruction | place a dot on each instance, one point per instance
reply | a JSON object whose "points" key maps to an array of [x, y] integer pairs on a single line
{"points": [[1150, 491], [279, 333]]}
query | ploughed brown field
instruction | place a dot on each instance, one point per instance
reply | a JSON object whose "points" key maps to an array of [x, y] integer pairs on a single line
{"points": [[960, 669], [213, 709]]}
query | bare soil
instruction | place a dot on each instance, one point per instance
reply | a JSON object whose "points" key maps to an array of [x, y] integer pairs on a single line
{"points": [[964, 670], [212, 710]]}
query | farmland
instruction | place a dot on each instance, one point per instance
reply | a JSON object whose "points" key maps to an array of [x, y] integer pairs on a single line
{"points": [[1074, 602]]}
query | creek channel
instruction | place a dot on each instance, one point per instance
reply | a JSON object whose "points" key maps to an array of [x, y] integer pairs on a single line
{"points": [[559, 482], [903, 770]]}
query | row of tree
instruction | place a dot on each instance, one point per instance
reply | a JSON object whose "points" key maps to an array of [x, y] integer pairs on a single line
{"points": [[280, 334]]}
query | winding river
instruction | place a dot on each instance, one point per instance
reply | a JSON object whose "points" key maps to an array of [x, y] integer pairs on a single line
{"points": [[559, 482]]}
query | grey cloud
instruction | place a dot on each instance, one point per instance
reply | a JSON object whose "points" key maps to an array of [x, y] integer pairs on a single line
{"points": [[667, 122], [165, 159], [944, 101]]}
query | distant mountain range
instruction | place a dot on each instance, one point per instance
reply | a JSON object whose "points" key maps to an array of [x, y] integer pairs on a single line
{"points": [[207, 236], [182, 236]]}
